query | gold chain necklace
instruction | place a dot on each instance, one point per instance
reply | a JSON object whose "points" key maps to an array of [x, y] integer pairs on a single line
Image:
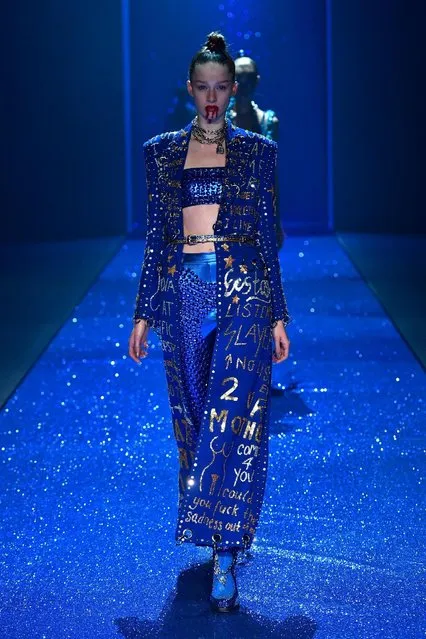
{"points": [[207, 137]]}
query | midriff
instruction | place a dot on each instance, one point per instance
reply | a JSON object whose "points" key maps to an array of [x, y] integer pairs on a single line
{"points": [[199, 220]]}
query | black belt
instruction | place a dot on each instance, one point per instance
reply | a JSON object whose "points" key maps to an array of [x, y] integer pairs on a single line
{"points": [[195, 239]]}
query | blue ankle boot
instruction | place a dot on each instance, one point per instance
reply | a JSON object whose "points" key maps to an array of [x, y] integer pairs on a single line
{"points": [[224, 596]]}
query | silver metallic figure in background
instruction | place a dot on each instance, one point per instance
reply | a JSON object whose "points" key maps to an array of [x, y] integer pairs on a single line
{"points": [[245, 113]]}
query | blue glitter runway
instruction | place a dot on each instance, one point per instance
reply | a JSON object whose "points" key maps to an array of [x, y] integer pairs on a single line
{"points": [[89, 478]]}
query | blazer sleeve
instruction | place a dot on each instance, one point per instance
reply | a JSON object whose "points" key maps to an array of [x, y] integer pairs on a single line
{"points": [[267, 238], [154, 245]]}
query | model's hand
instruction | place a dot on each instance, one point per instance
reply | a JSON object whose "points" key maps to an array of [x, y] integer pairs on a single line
{"points": [[281, 343], [138, 341]]}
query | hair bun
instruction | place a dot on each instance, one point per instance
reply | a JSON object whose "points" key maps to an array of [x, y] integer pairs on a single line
{"points": [[216, 42], [214, 49]]}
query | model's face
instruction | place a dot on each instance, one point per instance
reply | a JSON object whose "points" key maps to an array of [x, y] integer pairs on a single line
{"points": [[211, 87], [247, 78]]}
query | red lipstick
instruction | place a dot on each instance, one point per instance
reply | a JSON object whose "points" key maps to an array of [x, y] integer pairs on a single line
{"points": [[211, 112]]}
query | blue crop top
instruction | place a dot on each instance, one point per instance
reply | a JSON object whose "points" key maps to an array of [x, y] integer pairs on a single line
{"points": [[202, 185]]}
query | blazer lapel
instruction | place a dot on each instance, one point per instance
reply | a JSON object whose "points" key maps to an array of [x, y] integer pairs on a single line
{"points": [[178, 150], [237, 160], [173, 163]]}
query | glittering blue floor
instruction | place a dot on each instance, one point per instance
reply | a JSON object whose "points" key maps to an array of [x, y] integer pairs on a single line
{"points": [[89, 492]]}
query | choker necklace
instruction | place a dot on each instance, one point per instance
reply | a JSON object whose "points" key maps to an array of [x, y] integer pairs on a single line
{"points": [[207, 137]]}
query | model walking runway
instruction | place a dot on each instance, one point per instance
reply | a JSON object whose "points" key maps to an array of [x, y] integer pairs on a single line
{"points": [[89, 467]]}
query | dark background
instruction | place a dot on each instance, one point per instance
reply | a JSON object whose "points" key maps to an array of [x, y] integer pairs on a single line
{"points": [[379, 115], [62, 149], [63, 124]]}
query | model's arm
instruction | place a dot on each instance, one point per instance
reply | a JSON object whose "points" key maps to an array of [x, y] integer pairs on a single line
{"points": [[154, 242], [267, 203]]}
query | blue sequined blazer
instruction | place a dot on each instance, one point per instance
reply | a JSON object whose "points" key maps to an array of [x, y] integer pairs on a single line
{"points": [[247, 208]]}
